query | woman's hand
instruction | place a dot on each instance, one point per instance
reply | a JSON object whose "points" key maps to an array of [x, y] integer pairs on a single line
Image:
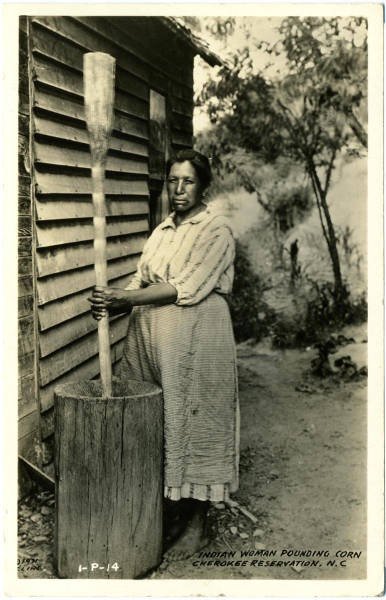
{"points": [[109, 300]]}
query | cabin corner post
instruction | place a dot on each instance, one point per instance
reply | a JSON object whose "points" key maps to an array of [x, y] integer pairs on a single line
{"points": [[29, 435], [31, 78]]}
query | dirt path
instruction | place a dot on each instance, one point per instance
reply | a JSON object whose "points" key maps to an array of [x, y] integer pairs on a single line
{"points": [[302, 473]]}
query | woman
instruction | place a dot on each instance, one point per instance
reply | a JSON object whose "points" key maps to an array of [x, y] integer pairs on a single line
{"points": [[180, 337]]}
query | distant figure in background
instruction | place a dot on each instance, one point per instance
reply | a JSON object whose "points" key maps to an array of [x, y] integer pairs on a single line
{"points": [[180, 337], [295, 269]]}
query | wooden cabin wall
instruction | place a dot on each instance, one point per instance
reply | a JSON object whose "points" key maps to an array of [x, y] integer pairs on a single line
{"points": [[28, 429], [170, 64], [67, 339]]}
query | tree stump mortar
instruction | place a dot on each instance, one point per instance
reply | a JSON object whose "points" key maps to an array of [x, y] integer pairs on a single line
{"points": [[108, 466]]}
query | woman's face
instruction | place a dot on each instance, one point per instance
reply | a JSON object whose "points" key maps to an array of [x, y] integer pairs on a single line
{"points": [[183, 187]]}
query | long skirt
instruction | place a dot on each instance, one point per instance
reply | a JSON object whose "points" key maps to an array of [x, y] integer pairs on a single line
{"points": [[189, 351]]}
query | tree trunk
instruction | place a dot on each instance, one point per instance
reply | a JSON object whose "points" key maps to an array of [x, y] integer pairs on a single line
{"points": [[329, 234], [333, 250], [357, 129], [108, 464]]}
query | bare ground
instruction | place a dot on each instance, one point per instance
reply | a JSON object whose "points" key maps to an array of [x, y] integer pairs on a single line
{"points": [[302, 474]]}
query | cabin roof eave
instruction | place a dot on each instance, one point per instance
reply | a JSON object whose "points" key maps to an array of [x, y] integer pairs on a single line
{"points": [[197, 44]]}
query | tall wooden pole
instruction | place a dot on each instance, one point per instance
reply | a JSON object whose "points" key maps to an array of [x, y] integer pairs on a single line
{"points": [[99, 77]]}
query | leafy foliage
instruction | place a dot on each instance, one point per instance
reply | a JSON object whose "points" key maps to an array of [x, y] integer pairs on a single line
{"points": [[251, 316], [319, 318], [219, 27], [326, 81]]}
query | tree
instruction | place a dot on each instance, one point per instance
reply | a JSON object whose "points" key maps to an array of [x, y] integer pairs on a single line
{"points": [[310, 115]]}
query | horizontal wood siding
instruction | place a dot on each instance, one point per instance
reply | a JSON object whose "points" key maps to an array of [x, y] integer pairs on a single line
{"points": [[181, 115], [68, 344], [171, 65], [87, 370]]}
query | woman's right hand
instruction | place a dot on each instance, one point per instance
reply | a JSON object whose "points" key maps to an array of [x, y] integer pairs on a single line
{"points": [[110, 300]]}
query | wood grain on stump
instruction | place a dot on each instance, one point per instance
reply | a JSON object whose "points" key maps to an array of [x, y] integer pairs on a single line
{"points": [[108, 467]]}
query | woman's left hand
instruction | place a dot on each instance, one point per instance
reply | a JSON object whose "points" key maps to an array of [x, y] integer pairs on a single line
{"points": [[109, 299]]}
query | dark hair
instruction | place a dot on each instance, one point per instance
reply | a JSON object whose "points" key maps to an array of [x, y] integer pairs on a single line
{"points": [[199, 161]]}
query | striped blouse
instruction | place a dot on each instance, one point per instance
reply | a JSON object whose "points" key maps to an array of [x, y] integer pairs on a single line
{"points": [[196, 257]]}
